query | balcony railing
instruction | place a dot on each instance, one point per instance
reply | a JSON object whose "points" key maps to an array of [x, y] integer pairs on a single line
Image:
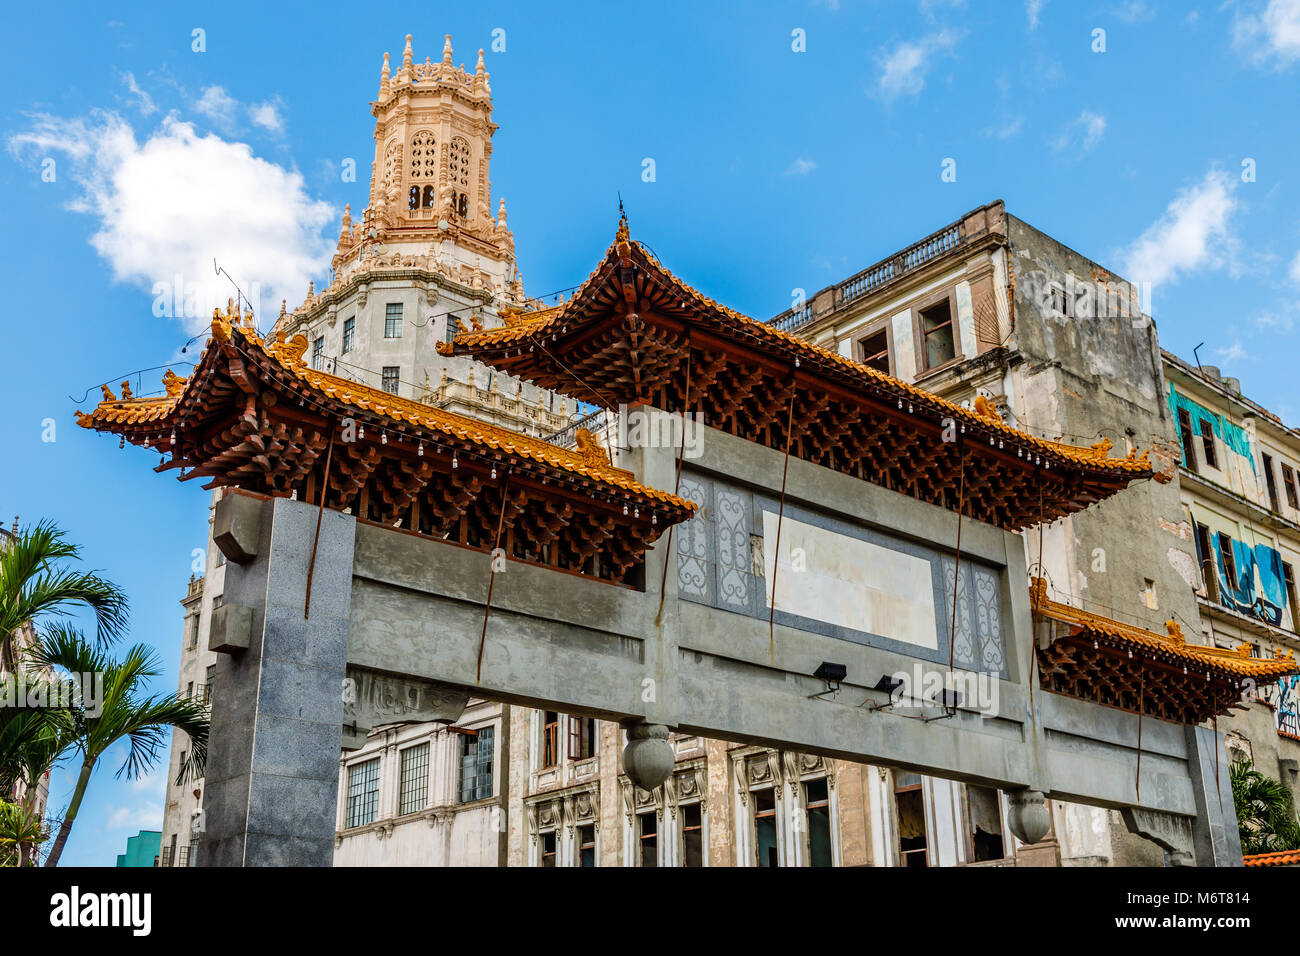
{"points": [[567, 437], [875, 276]]}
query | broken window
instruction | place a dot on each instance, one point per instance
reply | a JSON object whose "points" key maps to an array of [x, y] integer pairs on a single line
{"points": [[1186, 437], [587, 845], [1270, 481], [1058, 301], [817, 806], [547, 841], [476, 752], [1229, 562], [909, 809], [937, 333], [391, 378], [692, 835], [582, 738], [1207, 442], [1288, 485], [875, 351], [1206, 557], [550, 739], [1288, 576], [318, 353], [984, 823], [647, 834], [764, 803]]}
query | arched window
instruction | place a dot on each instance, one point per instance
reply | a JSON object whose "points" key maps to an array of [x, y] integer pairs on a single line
{"points": [[393, 163], [424, 155], [460, 156]]}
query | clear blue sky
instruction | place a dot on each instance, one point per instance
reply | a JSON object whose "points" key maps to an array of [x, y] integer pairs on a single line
{"points": [[774, 170]]}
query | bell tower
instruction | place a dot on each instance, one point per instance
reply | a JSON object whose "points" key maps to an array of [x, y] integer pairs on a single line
{"points": [[433, 151]]}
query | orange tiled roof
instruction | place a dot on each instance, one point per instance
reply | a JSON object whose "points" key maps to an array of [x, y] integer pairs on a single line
{"points": [[1171, 645], [522, 328], [288, 355], [1280, 858]]}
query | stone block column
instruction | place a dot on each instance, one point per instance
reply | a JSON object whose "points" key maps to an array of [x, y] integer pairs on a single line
{"points": [[273, 759], [1215, 836]]}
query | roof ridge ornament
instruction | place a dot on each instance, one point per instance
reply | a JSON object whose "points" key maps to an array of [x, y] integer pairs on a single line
{"points": [[173, 384], [592, 453], [986, 409], [1175, 631]]}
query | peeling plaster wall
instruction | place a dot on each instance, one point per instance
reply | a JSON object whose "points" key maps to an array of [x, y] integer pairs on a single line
{"points": [[1087, 378]]}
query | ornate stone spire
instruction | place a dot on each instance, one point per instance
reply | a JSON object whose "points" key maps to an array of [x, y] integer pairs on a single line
{"points": [[408, 71], [446, 50], [481, 76], [384, 75], [480, 69], [345, 228], [501, 213]]}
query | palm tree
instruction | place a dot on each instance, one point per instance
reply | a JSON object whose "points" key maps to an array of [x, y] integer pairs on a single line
{"points": [[31, 739], [34, 585], [124, 712], [20, 831], [1265, 814]]}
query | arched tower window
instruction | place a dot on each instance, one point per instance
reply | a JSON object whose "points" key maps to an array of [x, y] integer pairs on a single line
{"points": [[392, 172], [423, 167], [460, 163]]}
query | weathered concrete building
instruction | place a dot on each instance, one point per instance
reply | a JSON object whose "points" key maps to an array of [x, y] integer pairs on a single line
{"points": [[1238, 469]]}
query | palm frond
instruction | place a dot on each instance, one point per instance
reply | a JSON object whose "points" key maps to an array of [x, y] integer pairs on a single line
{"points": [[35, 585]]}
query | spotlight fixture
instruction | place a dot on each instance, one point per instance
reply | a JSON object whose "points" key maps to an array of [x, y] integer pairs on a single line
{"points": [[887, 685], [949, 700], [832, 674]]}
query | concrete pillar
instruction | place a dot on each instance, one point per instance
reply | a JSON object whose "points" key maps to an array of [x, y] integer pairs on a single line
{"points": [[1215, 837], [273, 760]]}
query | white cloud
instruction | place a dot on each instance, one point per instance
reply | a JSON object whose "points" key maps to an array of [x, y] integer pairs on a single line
{"points": [[1081, 134], [267, 115], [929, 8], [218, 105], [145, 103], [1232, 353], [1032, 9], [1134, 11], [1270, 36], [801, 167], [145, 816], [170, 205], [903, 69], [1008, 129], [1195, 232]]}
